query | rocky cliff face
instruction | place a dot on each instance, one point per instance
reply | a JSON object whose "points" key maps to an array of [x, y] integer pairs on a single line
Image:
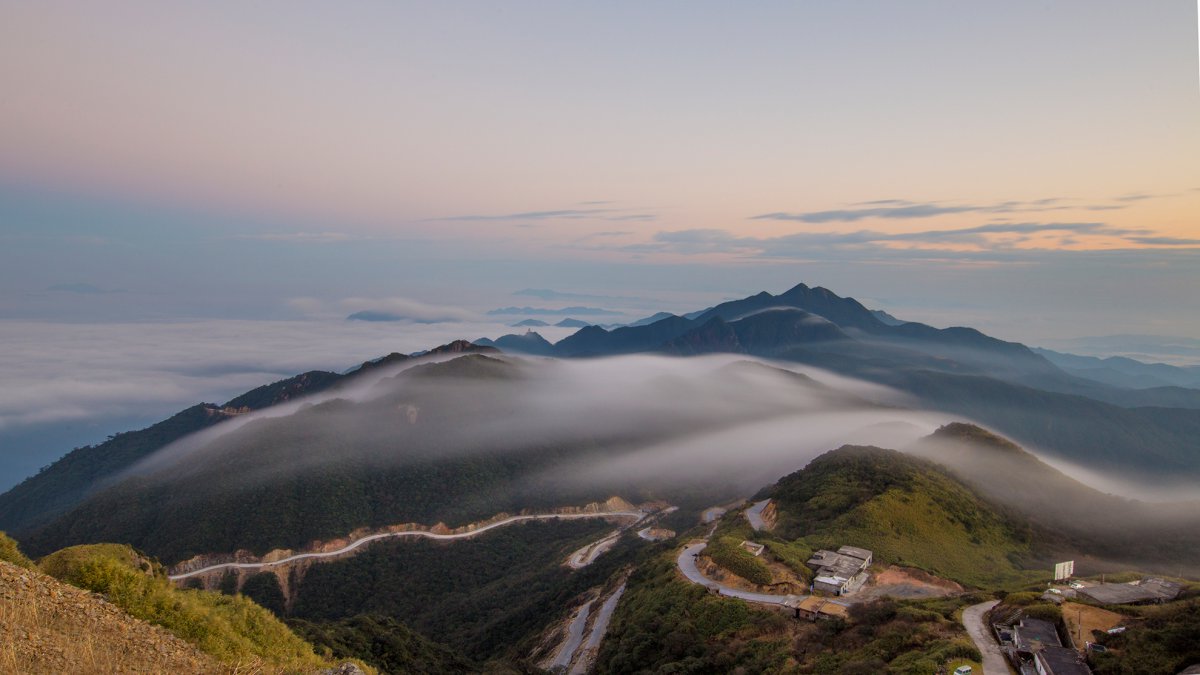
{"points": [[770, 515]]}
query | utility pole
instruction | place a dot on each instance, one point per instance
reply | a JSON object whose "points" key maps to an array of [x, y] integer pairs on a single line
{"points": [[1078, 626]]}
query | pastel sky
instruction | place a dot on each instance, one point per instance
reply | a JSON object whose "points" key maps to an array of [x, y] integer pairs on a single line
{"points": [[1030, 168], [193, 196]]}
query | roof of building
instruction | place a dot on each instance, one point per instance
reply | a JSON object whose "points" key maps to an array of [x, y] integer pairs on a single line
{"points": [[811, 604], [1191, 670], [1121, 594], [1062, 661], [855, 552], [835, 609], [1035, 633], [836, 564], [1168, 590], [753, 547]]}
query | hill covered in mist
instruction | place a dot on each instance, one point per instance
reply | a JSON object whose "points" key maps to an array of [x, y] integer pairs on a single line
{"points": [[407, 438], [463, 439]]}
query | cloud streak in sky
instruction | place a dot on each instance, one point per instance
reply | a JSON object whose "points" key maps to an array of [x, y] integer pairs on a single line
{"points": [[900, 209], [301, 237], [990, 238], [616, 215]]}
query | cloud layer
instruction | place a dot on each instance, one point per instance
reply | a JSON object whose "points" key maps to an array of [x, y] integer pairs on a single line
{"points": [[60, 371]]}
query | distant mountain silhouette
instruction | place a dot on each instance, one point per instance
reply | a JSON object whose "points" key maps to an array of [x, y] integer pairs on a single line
{"points": [[527, 343], [572, 323]]}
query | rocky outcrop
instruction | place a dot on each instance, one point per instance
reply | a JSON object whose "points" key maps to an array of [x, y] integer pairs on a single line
{"points": [[770, 515]]}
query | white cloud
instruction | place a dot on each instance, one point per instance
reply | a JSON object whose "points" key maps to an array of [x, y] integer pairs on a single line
{"points": [[410, 309], [64, 371]]}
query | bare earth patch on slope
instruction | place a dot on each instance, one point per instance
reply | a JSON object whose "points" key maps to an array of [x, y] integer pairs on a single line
{"points": [[908, 583]]}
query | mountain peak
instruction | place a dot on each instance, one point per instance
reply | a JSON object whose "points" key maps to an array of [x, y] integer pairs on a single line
{"points": [[461, 347], [970, 433]]}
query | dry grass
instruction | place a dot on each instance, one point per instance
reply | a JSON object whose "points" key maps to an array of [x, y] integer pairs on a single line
{"points": [[1082, 619], [49, 627]]}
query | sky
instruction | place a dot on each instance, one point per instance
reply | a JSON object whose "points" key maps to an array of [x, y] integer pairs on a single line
{"points": [[1028, 168]]}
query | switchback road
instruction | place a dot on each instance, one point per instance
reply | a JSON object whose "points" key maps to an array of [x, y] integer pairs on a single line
{"points": [[412, 533], [687, 565]]}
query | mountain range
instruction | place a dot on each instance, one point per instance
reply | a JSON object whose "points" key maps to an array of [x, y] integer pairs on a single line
{"points": [[859, 428]]}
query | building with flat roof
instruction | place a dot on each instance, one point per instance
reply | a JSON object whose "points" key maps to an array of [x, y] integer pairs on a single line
{"points": [[1032, 635], [1060, 661], [842, 572], [856, 552], [814, 607], [1150, 589], [753, 548]]}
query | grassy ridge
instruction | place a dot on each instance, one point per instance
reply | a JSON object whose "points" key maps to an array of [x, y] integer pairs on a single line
{"points": [[667, 625], [727, 552], [11, 553], [908, 511], [1167, 640], [231, 628]]}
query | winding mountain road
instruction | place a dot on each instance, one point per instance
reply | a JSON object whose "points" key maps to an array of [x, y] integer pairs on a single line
{"points": [[599, 629], [754, 515], [993, 660], [362, 541], [687, 564], [588, 554], [566, 652]]}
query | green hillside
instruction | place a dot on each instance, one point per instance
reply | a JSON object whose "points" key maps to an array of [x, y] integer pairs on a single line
{"points": [[907, 510], [451, 442], [388, 645], [667, 625], [1164, 537], [231, 628], [67, 481]]}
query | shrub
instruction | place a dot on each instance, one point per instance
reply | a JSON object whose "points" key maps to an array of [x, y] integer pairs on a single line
{"points": [[232, 629], [10, 552], [728, 553], [1046, 611]]}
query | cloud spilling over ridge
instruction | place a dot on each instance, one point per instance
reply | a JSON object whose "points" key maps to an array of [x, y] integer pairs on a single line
{"points": [[635, 419], [620, 425]]}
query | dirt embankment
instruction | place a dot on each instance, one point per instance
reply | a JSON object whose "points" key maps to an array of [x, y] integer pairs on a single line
{"points": [[52, 627], [1085, 622], [906, 582], [770, 515], [783, 580]]}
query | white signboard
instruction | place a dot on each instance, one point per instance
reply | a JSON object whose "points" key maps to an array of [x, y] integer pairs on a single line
{"points": [[1064, 570]]}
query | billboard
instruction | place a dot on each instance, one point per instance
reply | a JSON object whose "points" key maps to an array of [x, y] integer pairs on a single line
{"points": [[1064, 570]]}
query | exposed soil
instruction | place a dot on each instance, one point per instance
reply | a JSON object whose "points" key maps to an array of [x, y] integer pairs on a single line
{"points": [[784, 580], [905, 582], [1091, 618]]}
